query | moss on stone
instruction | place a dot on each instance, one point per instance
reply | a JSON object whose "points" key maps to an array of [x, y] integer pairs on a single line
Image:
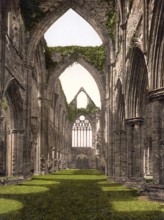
{"points": [[74, 112], [94, 55], [110, 23], [4, 103]]}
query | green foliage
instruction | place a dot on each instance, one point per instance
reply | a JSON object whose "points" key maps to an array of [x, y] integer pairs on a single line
{"points": [[73, 112], [48, 59], [75, 195], [31, 12], [94, 55], [110, 24], [4, 103]]}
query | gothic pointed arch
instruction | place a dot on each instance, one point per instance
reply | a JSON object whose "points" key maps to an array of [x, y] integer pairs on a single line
{"points": [[156, 47], [54, 12], [120, 105], [91, 69], [136, 84], [12, 111]]}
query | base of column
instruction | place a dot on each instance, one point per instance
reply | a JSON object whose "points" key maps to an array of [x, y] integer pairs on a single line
{"points": [[136, 182], [155, 192], [36, 173], [120, 179]]}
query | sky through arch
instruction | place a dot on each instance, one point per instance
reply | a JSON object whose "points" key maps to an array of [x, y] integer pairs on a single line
{"points": [[79, 77], [72, 29]]}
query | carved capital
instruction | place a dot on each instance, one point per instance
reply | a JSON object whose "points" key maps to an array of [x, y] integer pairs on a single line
{"points": [[15, 131], [135, 121], [120, 132], [156, 95]]}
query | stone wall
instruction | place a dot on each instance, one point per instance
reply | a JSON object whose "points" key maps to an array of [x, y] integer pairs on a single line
{"points": [[34, 130], [83, 158]]}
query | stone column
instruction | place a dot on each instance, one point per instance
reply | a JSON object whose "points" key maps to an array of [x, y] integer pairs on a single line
{"points": [[117, 155], [135, 148], [15, 152], [123, 155], [148, 169], [17, 142], [2, 44], [146, 161], [2, 147], [138, 148], [120, 163], [43, 133], [156, 103], [27, 115], [161, 168], [130, 150], [9, 154]]}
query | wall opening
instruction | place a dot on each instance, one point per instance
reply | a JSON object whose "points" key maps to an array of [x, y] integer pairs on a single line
{"points": [[82, 132], [72, 29]]}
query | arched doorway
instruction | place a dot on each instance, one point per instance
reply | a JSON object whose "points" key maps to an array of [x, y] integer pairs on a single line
{"points": [[82, 161]]}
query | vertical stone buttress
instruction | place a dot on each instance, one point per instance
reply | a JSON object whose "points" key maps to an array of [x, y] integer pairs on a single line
{"points": [[156, 104], [27, 110], [43, 135], [15, 152], [2, 147], [135, 148], [120, 152]]}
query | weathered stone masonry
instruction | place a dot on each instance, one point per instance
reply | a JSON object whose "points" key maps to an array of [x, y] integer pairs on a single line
{"points": [[35, 132]]}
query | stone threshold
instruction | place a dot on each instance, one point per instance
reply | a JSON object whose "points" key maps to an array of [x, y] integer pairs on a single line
{"points": [[5, 181]]}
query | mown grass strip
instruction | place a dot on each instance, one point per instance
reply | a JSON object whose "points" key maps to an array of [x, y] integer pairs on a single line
{"points": [[75, 195]]}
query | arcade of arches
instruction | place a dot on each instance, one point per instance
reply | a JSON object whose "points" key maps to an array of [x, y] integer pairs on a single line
{"points": [[37, 125]]}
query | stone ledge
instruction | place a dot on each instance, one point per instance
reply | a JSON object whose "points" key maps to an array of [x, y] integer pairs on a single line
{"points": [[156, 94], [7, 181], [138, 183], [155, 192]]}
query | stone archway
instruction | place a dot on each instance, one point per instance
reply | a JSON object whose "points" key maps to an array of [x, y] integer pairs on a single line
{"points": [[82, 161], [83, 9], [91, 69], [12, 129], [156, 47], [136, 112], [137, 84], [156, 93]]}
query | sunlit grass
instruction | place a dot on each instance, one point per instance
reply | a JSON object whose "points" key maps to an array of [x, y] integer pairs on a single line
{"points": [[75, 195], [38, 182], [131, 206], [8, 205], [20, 189]]}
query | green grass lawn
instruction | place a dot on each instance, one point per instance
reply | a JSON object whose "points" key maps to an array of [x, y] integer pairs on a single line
{"points": [[74, 195]]}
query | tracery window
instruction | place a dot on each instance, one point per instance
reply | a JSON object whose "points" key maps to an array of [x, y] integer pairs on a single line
{"points": [[82, 132]]}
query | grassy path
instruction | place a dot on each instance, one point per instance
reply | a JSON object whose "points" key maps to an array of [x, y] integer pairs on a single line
{"points": [[74, 195]]}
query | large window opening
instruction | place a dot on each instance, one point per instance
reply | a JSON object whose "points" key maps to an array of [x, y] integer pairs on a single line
{"points": [[72, 30], [68, 31], [82, 132], [76, 77]]}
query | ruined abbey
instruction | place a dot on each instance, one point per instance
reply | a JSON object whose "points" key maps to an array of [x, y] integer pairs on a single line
{"points": [[41, 133]]}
